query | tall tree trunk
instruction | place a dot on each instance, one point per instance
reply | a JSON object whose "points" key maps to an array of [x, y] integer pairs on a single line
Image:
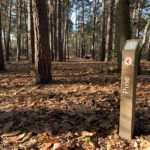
{"points": [[65, 39], [23, 29], [109, 30], [26, 29], [94, 22], [103, 30], [67, 46], [123, 27], [8, 34], [2, 65], [64, 27], [42, 46], [31, 49], [4, 37], [19, 4], [76, 34], [136, 18], [60, 48], [82, 32], [55, 32], [51, 29]]}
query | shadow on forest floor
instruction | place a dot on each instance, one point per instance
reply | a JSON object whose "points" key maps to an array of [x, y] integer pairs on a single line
{"points": [[56, 121], [83, 98]]}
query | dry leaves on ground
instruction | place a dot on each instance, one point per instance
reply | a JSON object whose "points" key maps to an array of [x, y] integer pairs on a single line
{"points": [[80, 110]]}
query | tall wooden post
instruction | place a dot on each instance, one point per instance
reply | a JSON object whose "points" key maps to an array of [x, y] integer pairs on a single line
{"points": [[128, 88]]}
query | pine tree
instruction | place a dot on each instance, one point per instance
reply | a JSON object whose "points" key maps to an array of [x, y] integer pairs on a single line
{"points": [[42, 46], [2, 66]]}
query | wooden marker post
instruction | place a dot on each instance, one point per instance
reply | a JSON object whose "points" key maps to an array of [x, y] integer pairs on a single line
{"points": [[128, 88]]}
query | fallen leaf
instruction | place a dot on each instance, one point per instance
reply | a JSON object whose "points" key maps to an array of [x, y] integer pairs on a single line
{"points": [[28, 144], [11, 134], [92, 90], [87, 134], [25, 138], [56, 146], [89, 147], [45, 146], [109, 146], [14, 139], [145, 144], [33, 103], [135, 144], [42, 138]]}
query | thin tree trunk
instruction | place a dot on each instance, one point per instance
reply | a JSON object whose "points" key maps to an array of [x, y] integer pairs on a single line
{"points": [[67, 46], [4, 35], [31, 49], [26, 30], [22, 31], [64, 27], [76, 34], [52, 28], [82, 32], [60, 48], [136, 18], [25, 34], [109, 30], [103, 28], [19, 4], [65, 39], [8, 34], [2, 64], [55, 32], [94, 22], [148, 55]]}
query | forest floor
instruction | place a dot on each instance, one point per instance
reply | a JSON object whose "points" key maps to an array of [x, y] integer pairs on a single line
{"points": [[78, 111]]}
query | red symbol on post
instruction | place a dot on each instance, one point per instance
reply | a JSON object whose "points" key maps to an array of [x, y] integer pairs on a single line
{"points": [[128, 61]]}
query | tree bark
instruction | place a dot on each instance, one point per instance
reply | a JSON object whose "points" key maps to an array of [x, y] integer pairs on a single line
{"points": [[109, 31], [4, 38], [143, 45], [136, 18], [65, 25], [103, 29], [52, 29], [148, 55], [55, 32], [76, 34], [2, 64], [122, 27], [31, 48], [60, 47], [94, 22], [8, 34], [82, 32], [42, 46], [19, 4]]}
